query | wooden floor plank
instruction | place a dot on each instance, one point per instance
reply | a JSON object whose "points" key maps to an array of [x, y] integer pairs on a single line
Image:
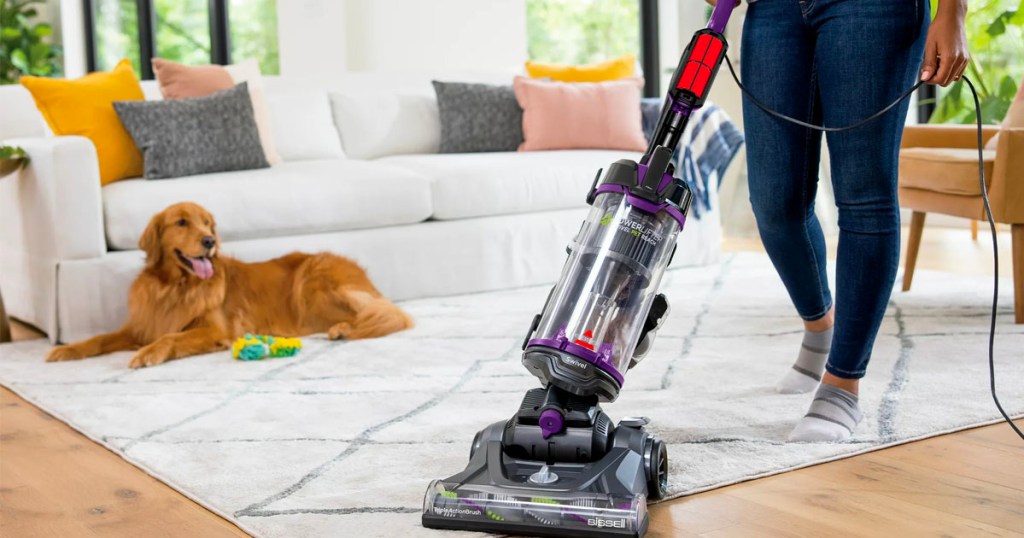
{"points": [[56, 482]]}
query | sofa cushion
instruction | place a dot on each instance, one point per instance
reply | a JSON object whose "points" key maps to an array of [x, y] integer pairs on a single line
{"points": [[948, 170], [292, 198], [381, 124], [196, 135], [304, 127], [479, 184]]}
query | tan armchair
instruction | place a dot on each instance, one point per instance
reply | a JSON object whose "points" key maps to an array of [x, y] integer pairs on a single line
{"points": [[938, 173]]}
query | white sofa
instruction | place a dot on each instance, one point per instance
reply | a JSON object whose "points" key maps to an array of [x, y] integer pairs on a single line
{"points": [[361, 177]]}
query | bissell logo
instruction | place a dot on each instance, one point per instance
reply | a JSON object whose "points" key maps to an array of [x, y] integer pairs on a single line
{"points": [[612, 523]]}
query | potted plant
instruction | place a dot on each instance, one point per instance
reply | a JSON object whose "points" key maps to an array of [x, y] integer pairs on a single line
{"points": [[25, 47], [12, 159]]}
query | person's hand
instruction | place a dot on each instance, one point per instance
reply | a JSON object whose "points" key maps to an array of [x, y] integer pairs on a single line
{"points": [[945, 49]]}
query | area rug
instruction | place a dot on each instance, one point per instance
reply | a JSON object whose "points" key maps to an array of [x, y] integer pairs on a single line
{"points": [[343, 439]]}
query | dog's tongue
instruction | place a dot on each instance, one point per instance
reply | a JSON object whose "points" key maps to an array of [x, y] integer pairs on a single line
{"points": [[202, 267]]}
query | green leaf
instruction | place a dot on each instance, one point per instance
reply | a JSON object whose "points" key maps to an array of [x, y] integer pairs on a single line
{"points": [[38, 53], [19, 60], [9, 33], [12, 152], [1007, 88], [42, 30], [998, 27], [993, 109]]}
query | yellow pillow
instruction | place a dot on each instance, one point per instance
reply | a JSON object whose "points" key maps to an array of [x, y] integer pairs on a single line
{"points": [[619, 68], [85, 107]]}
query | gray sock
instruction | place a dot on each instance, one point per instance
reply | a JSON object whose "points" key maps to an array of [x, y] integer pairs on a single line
{"points": [[833, 416], [810, 363]]}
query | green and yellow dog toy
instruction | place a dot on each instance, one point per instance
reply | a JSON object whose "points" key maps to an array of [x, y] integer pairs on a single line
{"points": [[254, 347]]}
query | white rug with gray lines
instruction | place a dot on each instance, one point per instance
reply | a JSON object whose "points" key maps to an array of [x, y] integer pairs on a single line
{"points": [[343, 439]]}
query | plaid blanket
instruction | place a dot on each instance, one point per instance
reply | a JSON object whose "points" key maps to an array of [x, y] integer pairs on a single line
{"points": [[707, 146]]}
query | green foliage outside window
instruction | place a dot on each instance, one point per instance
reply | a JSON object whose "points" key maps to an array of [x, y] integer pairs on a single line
{"points": [[254, 33], [995, 35], [25, 47], [182, 29], [582, 31]]}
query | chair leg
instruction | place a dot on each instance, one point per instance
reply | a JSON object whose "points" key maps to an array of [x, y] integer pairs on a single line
{"points": [[974, 230], [913, 245], [1018, 272]]}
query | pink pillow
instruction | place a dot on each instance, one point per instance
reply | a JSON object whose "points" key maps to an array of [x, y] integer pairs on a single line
{"points": [[580, 115]]}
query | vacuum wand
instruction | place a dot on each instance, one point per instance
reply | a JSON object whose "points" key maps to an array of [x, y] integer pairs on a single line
{"points": [[691, 82]]}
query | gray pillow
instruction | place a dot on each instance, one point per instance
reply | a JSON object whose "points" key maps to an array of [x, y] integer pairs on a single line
{"points": [[478, 117], [199, 135]]}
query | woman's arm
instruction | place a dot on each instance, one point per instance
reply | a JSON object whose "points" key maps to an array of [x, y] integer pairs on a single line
{"points": [[945, 51]]}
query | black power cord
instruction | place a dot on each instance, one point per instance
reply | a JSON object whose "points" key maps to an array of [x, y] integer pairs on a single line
{"points": [[984, 196]]}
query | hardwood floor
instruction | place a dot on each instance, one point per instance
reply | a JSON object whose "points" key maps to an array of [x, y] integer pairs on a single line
{"points": [[56, 482]]}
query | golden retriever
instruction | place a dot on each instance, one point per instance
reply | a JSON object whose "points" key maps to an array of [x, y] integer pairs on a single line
{"points": [[189, 299]]}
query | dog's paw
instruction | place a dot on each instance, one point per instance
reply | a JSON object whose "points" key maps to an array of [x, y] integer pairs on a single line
{"points": [[149, 356], [64, 353], [338, 331]]}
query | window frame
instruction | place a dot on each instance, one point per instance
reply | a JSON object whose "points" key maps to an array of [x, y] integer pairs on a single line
{"points": [[220, 34], [649, 59]]}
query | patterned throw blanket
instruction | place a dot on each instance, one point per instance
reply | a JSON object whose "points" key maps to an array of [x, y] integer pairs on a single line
{"points": [[707, 146]]}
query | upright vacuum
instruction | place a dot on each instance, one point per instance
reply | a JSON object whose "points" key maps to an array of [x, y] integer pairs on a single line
{"points": [[560, 466]]}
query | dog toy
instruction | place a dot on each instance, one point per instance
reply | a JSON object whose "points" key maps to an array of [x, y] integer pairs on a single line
{"points": [[260, 346]]}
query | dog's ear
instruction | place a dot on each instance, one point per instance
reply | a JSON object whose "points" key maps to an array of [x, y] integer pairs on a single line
{"points": [[150, 242]]}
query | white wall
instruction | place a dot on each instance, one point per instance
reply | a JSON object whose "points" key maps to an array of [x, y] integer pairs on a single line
{"points": [[452, 35], [72, 32], [330, 37], [311, 36]]}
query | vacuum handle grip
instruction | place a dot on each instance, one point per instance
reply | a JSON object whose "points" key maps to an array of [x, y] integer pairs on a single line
{"points": [[692, 79], [720, 16]]}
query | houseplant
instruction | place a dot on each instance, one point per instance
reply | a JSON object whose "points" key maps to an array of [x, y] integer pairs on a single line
{"points": [[11, 160], [995, 34], [25, 47]]}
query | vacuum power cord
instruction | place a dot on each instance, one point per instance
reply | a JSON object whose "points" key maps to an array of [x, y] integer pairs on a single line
{"points": [[984, 196]]}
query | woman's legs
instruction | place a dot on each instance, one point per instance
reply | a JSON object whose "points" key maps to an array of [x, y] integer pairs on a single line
{"points": [[868, 53], [782, 165], [833, 62]]}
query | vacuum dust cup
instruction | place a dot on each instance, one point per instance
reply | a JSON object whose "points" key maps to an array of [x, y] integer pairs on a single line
{"points": [[596, 312]]}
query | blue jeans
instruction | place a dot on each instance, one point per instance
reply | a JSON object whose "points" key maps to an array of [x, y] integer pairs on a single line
{"points": [[831, 62]]}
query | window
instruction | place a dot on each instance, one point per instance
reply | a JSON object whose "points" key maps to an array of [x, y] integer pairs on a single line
{"points": [[589, 31], [582, 31], [253, 25], [117, 34], [182, 31], [192, 32]]}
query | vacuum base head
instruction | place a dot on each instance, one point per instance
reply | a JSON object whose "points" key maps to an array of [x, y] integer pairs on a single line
{"points": [[603, 496], [450, 505]]}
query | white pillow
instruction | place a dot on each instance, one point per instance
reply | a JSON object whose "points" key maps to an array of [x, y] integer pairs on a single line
{"points": [[248, 72], [303, 127], [373, 126]]}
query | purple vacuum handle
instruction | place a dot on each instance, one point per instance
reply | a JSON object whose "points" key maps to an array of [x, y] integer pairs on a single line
{"points": [[720, 16], [691, 82]]}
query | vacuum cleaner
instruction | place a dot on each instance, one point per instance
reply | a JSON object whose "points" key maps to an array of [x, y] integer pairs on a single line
{"points": [[560, 466]]}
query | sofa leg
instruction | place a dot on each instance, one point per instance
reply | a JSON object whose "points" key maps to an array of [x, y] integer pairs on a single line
{"points": [[974, 230], [913, 245], [1018, 272], [5, 323]]}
